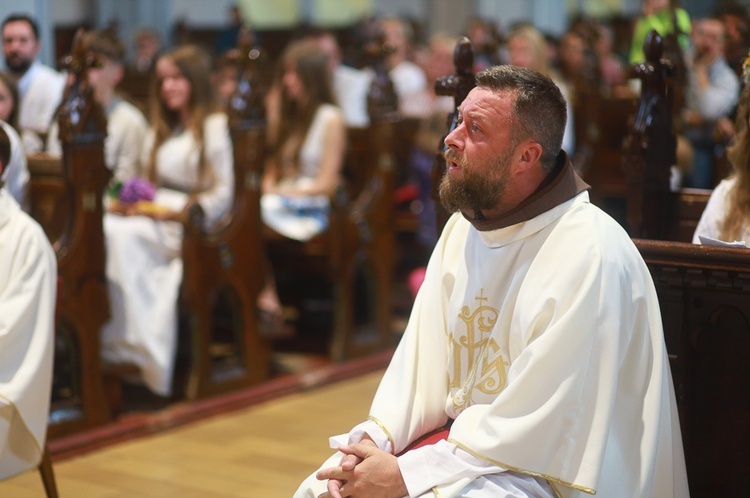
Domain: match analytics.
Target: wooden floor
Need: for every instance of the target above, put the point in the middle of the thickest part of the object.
(262, 451)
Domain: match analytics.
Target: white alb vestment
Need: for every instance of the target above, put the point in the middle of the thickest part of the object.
(543, 341)
(126, 133)
(28, 285)
(713, 215)
(144, 263)
(303, 217)
(40, 91)
(16, 172)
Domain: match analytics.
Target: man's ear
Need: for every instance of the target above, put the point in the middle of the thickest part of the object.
(531, 154)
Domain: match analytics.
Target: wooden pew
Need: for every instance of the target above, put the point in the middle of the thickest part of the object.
(650, 148)
(604, 168)
(691, 202)
(704, 294)
(48, 199)
(224, 271)
(67, 199)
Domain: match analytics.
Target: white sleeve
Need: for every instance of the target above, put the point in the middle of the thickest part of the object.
(376, 433)
(218, 149)
(710, 221)
(126, 133)
(440, 463)
(425, 467)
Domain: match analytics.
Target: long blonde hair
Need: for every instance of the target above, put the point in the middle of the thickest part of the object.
(195, 65)
(737, 214)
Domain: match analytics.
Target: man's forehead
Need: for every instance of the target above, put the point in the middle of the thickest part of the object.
(17, 28)
(484, 101)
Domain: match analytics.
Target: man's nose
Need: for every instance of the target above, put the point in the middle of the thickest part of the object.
(453, 139)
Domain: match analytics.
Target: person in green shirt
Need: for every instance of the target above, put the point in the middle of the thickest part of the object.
(661, 15)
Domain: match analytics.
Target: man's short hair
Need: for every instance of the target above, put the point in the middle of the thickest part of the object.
(23, 18)
(539, 108)
(105, 43)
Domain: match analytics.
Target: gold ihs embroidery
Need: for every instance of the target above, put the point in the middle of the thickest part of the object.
(476, 355)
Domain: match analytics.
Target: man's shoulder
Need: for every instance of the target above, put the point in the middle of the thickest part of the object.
(594, 233)
(43, 72)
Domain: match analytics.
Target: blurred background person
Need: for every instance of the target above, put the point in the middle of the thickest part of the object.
(187, 158)
(408, 78)
(611, 67)
(727, 214)
(736, 23)
(666, 17)
(126, 125)
(16, 172)
(350, 85)
(712, 93)
(307, 137)
(147, 46)
(436, 61)
(528, 48)
(486, 41)
(40, 87)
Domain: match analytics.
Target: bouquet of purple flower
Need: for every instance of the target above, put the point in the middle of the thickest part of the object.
(136, 189)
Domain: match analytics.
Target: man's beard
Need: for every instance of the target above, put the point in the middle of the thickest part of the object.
(472, 191)
(18, 64)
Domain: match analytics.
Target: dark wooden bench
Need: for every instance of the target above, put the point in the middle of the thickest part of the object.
(67, 199)
(225, 270)
(691, 202)
(603, 169)
(704, 294)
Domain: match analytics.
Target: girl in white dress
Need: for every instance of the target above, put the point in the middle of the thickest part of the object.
(727, 214)
(188, 157)
(307, 137)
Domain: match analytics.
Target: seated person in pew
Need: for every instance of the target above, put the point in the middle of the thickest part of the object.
(408, 78)
(350, 85)
(307, 137)
(727, 214)
(711, 94)
(536, 340)
(187, 158)
(40, 87)
(436, 61)
(16, 172)
(528, 48)
(28, 285)
(126, 125)
(661, 16)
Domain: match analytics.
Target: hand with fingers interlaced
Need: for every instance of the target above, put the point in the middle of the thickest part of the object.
(365, 470)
